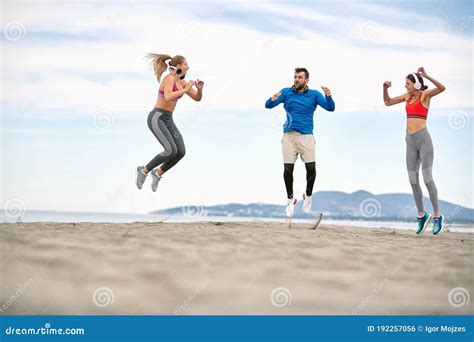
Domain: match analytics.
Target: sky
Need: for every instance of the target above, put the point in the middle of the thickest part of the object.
(76, 92)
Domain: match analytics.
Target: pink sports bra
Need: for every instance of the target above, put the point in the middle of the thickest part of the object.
(161, 93)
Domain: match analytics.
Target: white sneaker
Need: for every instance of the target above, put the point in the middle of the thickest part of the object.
(141, 177)
(156, 179)
(290, 207)
(308, 200)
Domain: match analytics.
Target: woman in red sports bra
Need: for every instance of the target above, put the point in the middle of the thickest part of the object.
(420, 150)
(160, 119)
(417, 99)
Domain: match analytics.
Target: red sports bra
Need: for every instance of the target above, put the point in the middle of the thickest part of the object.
(161, 93)
(416, 109)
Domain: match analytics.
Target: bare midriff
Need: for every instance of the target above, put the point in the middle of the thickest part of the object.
(414, 125)
(166, 105)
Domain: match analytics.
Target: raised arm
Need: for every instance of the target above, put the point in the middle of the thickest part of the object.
(391, 101)
(275, 100)
(435, 91)
(326, 100)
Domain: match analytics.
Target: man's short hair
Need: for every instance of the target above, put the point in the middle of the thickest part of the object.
(306, 73)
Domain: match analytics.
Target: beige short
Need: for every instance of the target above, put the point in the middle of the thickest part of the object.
(294, 143)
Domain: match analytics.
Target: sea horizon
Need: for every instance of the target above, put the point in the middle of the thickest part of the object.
(35, 216)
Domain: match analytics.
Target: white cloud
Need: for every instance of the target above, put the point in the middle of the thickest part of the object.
(241, 67)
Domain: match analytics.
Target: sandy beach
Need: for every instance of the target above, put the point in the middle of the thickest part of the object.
(232, 268)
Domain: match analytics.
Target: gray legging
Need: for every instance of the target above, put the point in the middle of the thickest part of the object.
(161, 123)
(420, 152)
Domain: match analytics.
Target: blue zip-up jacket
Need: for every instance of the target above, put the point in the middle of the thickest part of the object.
(300, 108)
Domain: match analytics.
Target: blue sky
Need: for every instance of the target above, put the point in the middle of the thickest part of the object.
(76, 93)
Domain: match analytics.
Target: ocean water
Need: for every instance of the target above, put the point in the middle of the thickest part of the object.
(69, 217)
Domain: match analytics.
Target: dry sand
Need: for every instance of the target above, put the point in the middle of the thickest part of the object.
(231, 268)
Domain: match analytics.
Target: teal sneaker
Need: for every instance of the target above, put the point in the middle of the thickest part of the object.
(423, 222)
(438, 224)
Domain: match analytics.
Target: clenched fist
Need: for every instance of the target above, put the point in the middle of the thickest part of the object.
(275, 96)
(326, 90)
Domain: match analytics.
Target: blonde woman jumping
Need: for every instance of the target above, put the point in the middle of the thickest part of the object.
(160, 120)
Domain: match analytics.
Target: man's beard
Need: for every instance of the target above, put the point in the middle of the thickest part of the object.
(299, 87)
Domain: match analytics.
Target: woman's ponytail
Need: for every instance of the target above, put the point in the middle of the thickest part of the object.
(159, 63)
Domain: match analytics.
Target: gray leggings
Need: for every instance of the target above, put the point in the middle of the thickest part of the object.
(161, 123)
(420, 152)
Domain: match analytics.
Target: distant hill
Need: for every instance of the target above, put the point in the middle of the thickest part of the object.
(360, 205)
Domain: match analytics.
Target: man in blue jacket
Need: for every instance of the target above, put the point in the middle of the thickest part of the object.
(300, 102)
